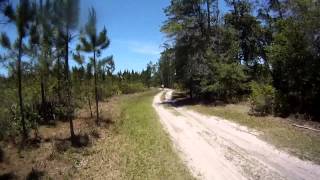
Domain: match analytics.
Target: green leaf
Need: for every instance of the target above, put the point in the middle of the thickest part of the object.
(5, 41)
(78, 58)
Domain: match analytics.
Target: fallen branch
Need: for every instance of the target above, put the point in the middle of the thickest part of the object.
(305, 127)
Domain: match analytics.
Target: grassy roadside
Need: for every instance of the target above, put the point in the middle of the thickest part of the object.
(277, 131)
(136, 147)
(129, 144)
(150, 154)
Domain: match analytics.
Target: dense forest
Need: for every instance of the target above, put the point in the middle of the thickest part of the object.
(265, 51)
(40, 86)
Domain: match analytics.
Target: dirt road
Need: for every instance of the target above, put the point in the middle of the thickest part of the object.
(214, 148)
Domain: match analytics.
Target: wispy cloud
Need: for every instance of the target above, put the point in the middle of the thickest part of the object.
(145, 48)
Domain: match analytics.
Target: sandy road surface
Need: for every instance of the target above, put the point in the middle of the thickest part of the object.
(214, 148)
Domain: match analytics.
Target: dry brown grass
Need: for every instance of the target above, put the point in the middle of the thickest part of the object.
(52, 154)
(129, 144)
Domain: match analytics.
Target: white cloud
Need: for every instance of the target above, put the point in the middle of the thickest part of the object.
(145, 48)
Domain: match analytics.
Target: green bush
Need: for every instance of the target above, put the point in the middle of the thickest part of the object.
(229, 83)
(31, 119)
(128, 88)
(8, 127)
(109, 90)
(262, 98)
(10, 121)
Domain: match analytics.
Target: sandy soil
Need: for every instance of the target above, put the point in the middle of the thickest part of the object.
(214, 148)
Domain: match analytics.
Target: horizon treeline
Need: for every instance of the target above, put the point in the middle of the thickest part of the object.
(267, 51)
(40, 86)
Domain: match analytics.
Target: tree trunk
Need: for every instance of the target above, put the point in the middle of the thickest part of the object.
(190, 93)
(89, 101)
(43, 111)
(200, 20)
(208, 19)
(24, 129)
(43, 96)
(59, 78)
(95, 86)
(68, 88)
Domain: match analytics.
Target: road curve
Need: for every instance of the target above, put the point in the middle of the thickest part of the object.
(214, 148)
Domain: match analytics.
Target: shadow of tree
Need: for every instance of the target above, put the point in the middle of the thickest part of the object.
(35, 175)
(8, 176)
(180, 99)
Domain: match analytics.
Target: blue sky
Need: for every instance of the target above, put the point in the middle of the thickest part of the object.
(133, 27)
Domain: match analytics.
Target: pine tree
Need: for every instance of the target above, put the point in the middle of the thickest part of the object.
(67, 13)
(92, 42)
(22, 16)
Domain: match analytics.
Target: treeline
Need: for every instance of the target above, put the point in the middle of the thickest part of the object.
(40, 86)
(266, 50)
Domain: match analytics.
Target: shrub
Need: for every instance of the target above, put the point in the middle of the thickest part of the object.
(7, 126)
(108, 90)
(262, 98)
(31, 119)
(61, 111)
(10, 121)
(228, 84)
(128, 88)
